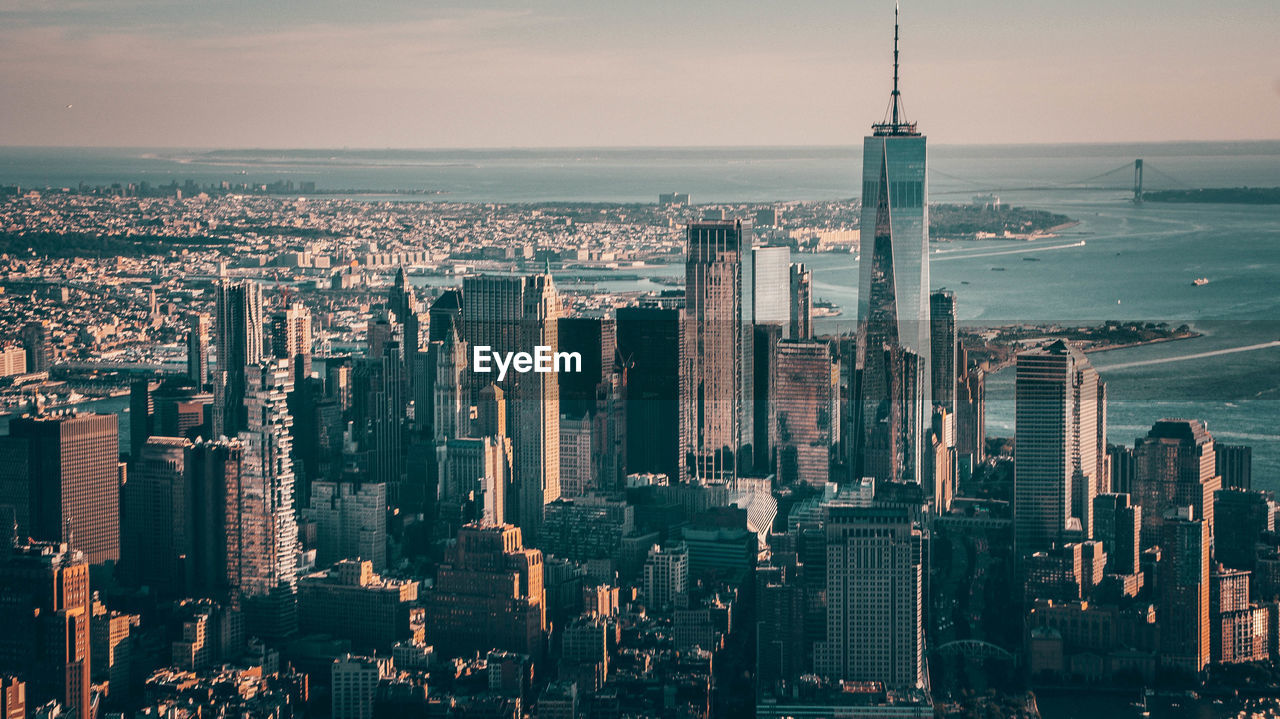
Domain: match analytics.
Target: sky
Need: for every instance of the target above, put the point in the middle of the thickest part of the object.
(592, 73)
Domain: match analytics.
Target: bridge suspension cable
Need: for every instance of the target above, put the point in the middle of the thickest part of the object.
(1120, 172)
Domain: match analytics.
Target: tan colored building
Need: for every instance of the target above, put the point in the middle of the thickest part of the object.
(350, 601)
(1174, 466)
(488, 594)
(710, 371)
(44, 610)
(68, 484)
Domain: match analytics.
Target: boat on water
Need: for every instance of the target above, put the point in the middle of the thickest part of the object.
(1141, 705)
(1200, 281)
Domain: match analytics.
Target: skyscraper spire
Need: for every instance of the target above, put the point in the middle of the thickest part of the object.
(895, 122)
(897, 96)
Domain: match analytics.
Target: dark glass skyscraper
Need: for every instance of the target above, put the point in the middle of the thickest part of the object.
(649, 353)
(240, 344)
(893, 301)
(942, 350)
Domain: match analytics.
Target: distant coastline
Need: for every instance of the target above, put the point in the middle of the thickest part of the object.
(997, 347)
(1218, 195)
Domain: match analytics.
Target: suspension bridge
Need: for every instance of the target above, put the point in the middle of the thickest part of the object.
(1109, 180)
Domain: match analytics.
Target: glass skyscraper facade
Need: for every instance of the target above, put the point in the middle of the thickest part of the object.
(893, 301)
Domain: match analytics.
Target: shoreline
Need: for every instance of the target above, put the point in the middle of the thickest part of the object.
(992, 369)
(1143, 343)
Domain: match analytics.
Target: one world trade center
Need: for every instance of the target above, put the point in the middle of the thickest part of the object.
(892, 378)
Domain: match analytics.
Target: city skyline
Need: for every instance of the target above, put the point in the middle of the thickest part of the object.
(262, 454)
(158, 73)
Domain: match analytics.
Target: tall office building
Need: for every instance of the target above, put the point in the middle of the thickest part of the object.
(666, 575)
(764, 347)
(1234, 465)
(576, 477)
(488, 593)
(491, 412)
(893, 303)
(179, 408)
(13, 697)
(1183, 587)
(1120, 461)
(801, 301)
(351, 601)
(354, 685)
(157, 517)
(1241, 632)
(781, 646)
(1174, 467)
(37, 341)
(445, 314)
(771, 316)
(66, 487)
(771, 286)
(213, 472)
(875, 600)
(111, 647)
(262, 533)
(649, 352)
(198, 349)
(445, 322)
(291, 339)
(518, 314)
(711, 344)
(971, 408)
(142, 412)
(383, 329)
(13, 361)
(596, 340)
(351, 522)
(474, 473)
(1117, 523)
(941, 460)
(378, 406)
(1240, 517)
(804, 411)
(45, 613)
(451, 393)
(942, 348)
(592, 403)
(404, 303)
(1057, 451)
(238, 323)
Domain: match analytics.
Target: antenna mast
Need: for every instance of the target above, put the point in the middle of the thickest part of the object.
(896, 94)
(895, 121)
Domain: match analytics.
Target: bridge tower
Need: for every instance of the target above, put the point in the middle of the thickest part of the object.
(1137, 181)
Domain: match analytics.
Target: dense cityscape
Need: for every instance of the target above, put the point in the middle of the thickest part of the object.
(258, 464)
